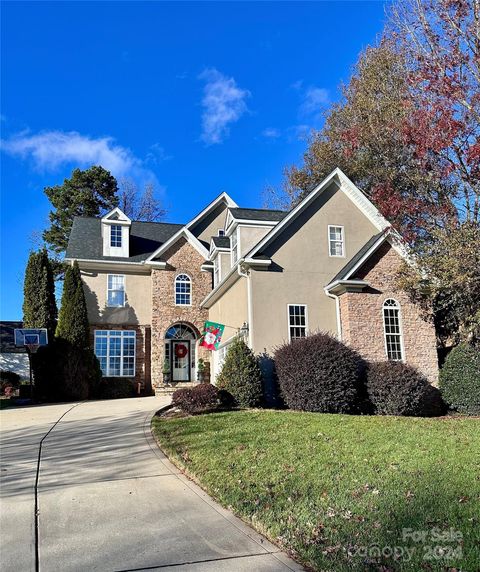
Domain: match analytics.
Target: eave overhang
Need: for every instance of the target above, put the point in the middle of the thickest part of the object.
(339, 287)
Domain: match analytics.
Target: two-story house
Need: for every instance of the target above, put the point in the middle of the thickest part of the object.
(329, 264)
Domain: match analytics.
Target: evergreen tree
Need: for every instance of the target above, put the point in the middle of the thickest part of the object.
(73, 324)
(87, 193)
(39, 306)
(241, 375)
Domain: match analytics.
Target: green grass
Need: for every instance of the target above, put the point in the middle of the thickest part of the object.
(323, 486)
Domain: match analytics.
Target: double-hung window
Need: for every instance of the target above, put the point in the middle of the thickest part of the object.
(116, 235)
(392, 329)
(183, 290)
(116, 290)
(115, 350)
(336, 241)
(234, 246)
(297, 321)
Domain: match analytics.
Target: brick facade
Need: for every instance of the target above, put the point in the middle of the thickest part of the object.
(142, 351)
(361, 316)
(181, 258)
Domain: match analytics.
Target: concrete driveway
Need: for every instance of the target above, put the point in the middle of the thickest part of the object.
(107, 499)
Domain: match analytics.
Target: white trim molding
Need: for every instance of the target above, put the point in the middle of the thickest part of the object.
(222, 198)
(182, 233)
(346, 186)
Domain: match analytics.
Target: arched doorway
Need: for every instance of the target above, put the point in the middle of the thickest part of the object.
(180, 352)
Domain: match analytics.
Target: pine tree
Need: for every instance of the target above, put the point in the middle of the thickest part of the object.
(241, 375)
(73, 324)
(39, 305)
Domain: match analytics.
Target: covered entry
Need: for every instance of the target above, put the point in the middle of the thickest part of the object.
(180, 352)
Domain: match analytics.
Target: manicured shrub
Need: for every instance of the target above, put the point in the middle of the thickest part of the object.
(319, 373)
(116, 388)
(241, 375)
(395, 388)
(460, 379)
(64, 372)
(9, 380)
(200, 398)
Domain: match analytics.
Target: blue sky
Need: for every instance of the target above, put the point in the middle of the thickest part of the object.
(198, 97)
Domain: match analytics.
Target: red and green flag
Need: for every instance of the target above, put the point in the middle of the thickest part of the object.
(212, 335)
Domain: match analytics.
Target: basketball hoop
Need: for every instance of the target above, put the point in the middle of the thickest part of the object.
(31, 339)
(32, 348)
(31, 342)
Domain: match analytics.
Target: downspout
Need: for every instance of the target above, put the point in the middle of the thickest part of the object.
(337, 311)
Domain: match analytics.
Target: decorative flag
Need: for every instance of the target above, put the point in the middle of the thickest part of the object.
(212, 335)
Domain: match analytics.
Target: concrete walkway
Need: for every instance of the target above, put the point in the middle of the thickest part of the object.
(108, 499)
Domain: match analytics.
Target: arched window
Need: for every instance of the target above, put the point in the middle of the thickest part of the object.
(393, 330)
(183, 290)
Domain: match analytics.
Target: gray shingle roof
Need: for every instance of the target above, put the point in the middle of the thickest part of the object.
(145, 238)
(258, 214)
(354, 261)
(221, 241)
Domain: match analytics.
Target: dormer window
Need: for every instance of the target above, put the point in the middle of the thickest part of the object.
(116, 236)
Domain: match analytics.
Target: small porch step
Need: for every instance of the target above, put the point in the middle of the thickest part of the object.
(169, 389)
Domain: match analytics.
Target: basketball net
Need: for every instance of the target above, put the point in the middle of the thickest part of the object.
(32, 348)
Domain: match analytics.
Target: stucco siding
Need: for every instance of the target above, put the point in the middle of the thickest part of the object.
(301, 267)
(138, 298)
(225, 263)
(210, 225)
(231, 309)
(250, 236)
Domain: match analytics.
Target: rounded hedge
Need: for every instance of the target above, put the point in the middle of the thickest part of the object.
(460, 379)
(395, 388)
(8, 379)
(200, 398)
(116, 388)
(319, 373)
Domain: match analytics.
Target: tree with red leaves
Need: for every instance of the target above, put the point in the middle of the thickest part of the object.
(441, 42)
(407, 132)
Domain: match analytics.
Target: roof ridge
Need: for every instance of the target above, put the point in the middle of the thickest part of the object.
(258, 209)
(133, 220)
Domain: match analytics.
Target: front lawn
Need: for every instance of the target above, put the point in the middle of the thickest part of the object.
(337, 490)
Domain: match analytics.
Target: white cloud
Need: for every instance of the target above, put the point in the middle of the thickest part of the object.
(157, 154)
(271, 133)
(49, 150)
(314, 100)
(223, 102)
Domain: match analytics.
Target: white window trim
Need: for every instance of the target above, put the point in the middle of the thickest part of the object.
(217, 271)
(237, 233)
(400, 327)
(288, 319)
(175, 289)
(343, 255)
(124, 292)
(121, 236)
(121, 352)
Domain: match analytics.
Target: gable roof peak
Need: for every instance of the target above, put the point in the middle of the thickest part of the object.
(223, 197)
(359, 199)
(116, 215)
